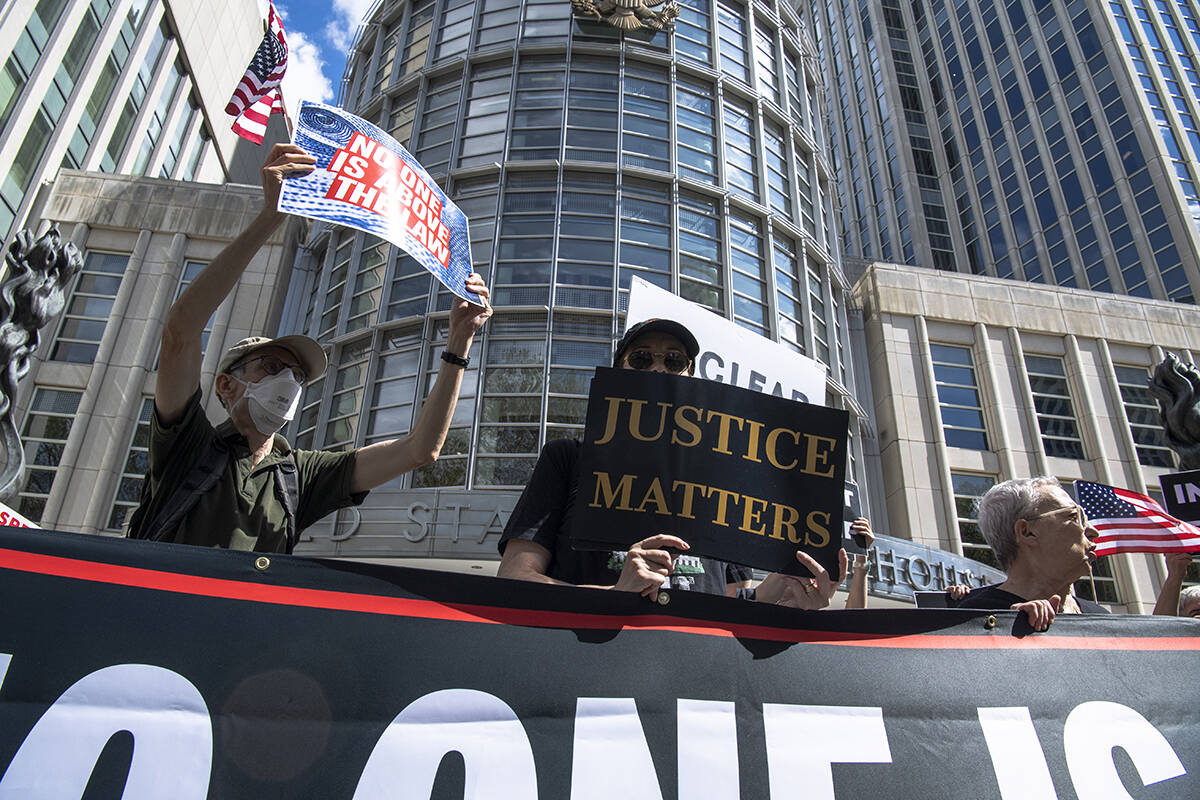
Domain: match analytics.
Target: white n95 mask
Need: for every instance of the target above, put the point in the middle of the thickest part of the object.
(272, 401)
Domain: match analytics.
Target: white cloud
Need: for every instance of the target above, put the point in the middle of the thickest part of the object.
(305, 78)
(348, 16)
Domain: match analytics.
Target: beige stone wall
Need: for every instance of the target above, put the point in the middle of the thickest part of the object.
(905, 308)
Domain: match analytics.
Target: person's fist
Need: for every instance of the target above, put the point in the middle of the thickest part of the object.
(648, 564)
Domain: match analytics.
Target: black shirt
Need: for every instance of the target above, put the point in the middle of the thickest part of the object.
(994, 598)
(543, 515)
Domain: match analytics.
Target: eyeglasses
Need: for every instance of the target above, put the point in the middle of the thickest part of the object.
(672, 360)
(272, 365)
(1078, 515)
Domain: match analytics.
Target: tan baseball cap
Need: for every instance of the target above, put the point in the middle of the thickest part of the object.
(306, 350)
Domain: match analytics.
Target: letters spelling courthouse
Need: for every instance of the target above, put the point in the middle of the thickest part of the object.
(696, 159)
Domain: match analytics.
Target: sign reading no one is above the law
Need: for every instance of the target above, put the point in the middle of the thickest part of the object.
(728, 352)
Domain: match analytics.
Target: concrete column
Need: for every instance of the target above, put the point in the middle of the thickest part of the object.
(948, 537)
(1039, 453)
(1085, 415)
(125, 421)
(997, 424)
(96, 382)
(1124, 435)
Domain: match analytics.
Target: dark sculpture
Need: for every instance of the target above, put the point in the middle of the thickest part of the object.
(33, 293)
(1176, 386)
(629, 15)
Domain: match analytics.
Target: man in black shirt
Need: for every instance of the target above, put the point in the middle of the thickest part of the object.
(1044, 542)
(535, 546)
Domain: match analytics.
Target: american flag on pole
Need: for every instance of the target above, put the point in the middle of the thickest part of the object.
(257, 94)
(1133, 523)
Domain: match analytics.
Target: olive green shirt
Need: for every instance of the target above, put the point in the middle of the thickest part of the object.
(242, 511)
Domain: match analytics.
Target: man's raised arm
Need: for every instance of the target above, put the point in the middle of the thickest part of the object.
(180, 357)
(378, 463)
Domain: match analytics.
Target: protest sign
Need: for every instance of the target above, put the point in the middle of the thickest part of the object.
(739, 475)
(13, 519)
(139, 669)
(366, 180)
(1181, 494)
(728, 352)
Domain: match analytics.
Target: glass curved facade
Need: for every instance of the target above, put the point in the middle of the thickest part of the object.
(583, 157)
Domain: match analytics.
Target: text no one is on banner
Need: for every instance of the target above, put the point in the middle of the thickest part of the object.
(144, 669)
(739, 475)
(365, 179)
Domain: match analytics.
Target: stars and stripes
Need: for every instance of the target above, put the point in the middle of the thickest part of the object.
(1133, 523)
(257, 94)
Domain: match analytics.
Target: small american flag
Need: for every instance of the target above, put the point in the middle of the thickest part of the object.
(1133, 523)
(257, 94)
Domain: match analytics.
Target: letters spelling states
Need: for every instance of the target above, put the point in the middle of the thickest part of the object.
(741, 476)
(368, 175)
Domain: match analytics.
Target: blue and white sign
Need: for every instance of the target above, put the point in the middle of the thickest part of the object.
(366, 180)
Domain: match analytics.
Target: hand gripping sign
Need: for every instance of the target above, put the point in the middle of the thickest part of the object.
(366, 180)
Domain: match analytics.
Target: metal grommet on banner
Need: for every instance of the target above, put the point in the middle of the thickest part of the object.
(663, 598)
(990, 622)
(261, 563)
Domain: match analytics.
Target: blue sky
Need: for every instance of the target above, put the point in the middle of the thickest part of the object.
(319, 34)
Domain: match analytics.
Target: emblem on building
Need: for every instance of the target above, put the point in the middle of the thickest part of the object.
(629, 15)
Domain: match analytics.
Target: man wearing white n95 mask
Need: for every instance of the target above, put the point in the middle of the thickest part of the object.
(240, 485)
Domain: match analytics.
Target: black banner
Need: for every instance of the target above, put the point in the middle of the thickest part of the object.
(739, 475)
(175, 672)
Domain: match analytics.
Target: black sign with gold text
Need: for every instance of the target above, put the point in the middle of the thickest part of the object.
(740, 476)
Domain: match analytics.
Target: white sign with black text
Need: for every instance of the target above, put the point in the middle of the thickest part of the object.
(728, 352)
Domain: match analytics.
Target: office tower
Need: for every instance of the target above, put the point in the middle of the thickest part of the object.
(583, 156)
(121, 86)
(1046, 142)
(135, 89)
(1052, 142)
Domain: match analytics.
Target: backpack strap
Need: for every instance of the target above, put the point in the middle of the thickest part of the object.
(183, 498)
(287, 490)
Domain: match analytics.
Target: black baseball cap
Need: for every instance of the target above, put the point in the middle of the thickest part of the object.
(668, 326)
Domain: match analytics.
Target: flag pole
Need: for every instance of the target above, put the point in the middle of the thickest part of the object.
(287, 118)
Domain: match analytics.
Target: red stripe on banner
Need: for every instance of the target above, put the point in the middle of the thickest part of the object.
(178, 583)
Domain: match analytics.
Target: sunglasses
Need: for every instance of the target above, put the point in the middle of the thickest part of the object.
(644, 359)
(1077, 515)
(271, 365)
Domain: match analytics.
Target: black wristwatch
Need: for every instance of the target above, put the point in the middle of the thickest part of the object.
(457, 361)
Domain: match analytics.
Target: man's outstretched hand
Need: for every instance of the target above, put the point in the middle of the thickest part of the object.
(284, 161)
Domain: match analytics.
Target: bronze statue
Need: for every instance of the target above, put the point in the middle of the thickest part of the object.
(629, 15)
(1176, 386)
(33, 293)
